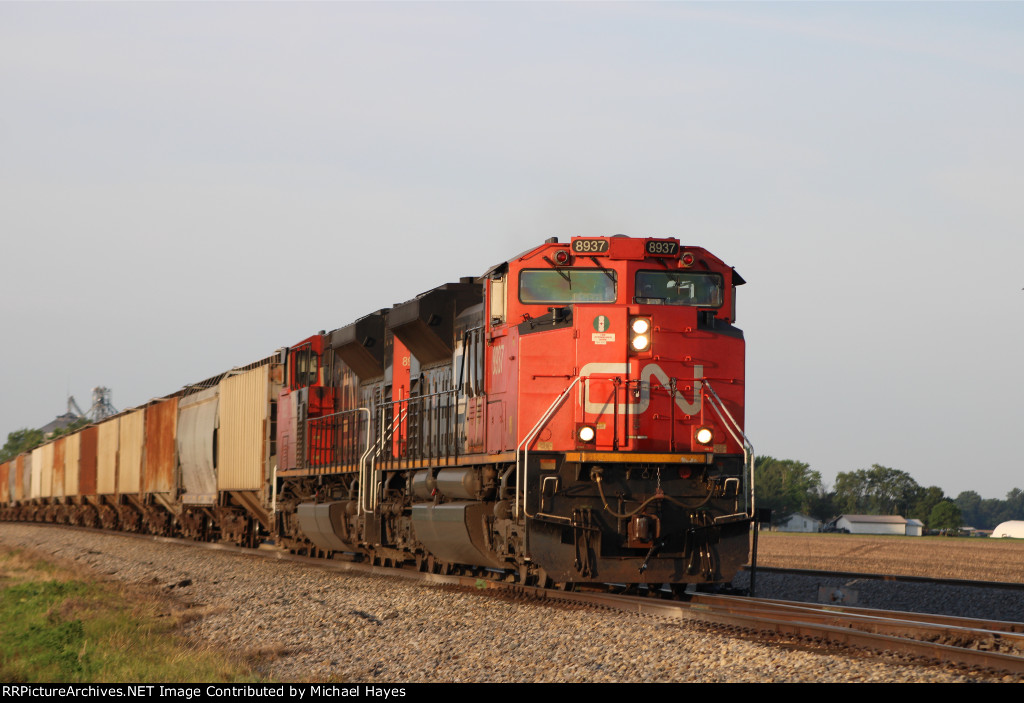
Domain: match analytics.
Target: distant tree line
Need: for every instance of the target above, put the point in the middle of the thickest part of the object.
(788, 486)
(25, 440)
(989, 512)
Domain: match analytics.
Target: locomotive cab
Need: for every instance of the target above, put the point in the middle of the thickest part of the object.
(305, 394)
(621, 375)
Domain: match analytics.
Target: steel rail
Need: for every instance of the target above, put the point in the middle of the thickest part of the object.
(918, 626)
(1014, 629)
(766, 617)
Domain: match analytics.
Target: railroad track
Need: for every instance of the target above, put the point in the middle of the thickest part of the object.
(973, 643)
(994, 646)
(985, 644)
(968, 642)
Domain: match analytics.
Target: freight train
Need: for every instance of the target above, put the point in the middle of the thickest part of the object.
(574, 415)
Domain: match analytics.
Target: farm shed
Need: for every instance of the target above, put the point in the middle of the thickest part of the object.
(798, 522)
(915, 528)
(873, 524)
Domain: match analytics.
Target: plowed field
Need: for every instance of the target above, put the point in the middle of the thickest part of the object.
(977, 558)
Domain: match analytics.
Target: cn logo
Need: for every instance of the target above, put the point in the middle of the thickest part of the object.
(646, 374)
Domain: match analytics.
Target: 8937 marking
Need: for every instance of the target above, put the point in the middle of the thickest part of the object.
(589, 246)
(661, 247)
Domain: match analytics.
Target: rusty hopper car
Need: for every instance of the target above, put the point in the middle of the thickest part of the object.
(574, 415)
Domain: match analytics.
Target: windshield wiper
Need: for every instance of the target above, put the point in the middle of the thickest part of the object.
(607, 273)
(561, 273)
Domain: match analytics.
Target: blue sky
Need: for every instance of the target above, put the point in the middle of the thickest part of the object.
(188, 186)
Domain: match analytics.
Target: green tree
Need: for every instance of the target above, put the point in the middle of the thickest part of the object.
(1015, 504)
(945, 516)
(879, 490)
(969, 503)
(823, 504)
(994, 511)
(927, 499)
(986, 513)
(20, 441)
(785, 485)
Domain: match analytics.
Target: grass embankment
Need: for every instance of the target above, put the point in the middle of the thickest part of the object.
(56, 626)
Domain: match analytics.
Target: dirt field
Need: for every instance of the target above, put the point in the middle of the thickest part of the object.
(942, 557)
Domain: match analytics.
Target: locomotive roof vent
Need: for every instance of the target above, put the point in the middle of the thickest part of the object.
(356, 345)
(425, 324)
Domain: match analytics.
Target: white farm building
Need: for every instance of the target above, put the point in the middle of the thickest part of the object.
(797, 522)
(873, 524)
(1010, 528)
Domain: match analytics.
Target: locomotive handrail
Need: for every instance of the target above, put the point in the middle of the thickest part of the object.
(403, 409)
(335, 459)
(366, 452)
(524, 446)
(368, 488)
(730, 425)
(422, 408)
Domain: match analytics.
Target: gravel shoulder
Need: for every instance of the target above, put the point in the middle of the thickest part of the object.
(301, 623)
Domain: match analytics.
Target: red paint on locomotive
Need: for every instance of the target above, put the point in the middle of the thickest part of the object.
(649, 400)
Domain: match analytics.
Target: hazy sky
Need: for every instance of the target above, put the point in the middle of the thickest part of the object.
(185, 187)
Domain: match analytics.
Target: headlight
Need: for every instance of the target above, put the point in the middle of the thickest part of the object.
(586, 433)
(704, 435)
(639, 334)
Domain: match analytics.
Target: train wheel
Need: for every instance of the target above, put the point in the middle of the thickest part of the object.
(679, 591)
(543, 581)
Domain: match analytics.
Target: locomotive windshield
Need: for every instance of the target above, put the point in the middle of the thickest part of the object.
(567, 286)
(679, 288)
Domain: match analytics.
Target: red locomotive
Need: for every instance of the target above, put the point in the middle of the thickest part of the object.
(574, 415)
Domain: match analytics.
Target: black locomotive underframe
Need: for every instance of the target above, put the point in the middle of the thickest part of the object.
(620, 522)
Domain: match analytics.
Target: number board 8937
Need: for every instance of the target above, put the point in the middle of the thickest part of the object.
(590, 246)
(661, 247)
